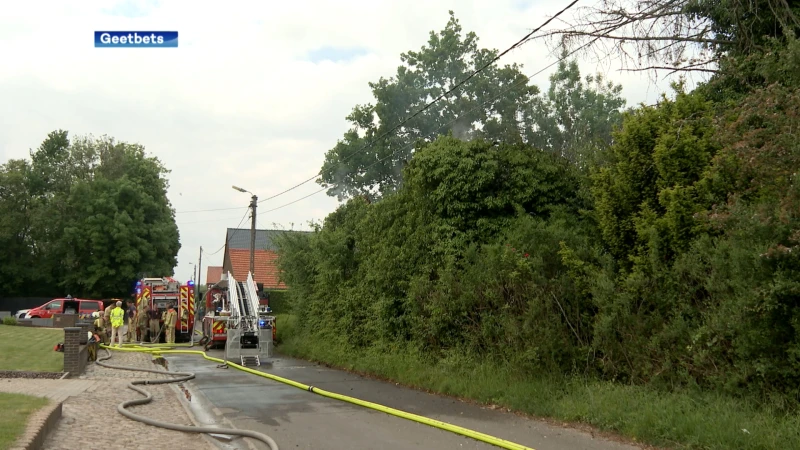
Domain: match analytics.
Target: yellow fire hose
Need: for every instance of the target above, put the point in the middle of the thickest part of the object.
(158, 350)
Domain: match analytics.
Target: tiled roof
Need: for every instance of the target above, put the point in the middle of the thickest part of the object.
(239, 238)
(213, 274)
(266, 269)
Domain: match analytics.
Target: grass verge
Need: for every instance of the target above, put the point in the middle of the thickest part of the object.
(30, 348)
(679, 420)
(16, 410)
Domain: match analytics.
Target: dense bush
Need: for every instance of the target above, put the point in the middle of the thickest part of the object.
(674, 262)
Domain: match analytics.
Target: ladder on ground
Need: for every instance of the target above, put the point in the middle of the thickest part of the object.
(250, 360)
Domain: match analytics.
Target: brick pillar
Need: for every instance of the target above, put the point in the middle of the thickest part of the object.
(84, 326)
(72, 351)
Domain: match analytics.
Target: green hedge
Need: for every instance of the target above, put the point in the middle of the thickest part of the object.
(279, 301)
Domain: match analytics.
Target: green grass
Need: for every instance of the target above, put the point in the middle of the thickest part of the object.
(16, 410)
(30, 348)
(679, 420)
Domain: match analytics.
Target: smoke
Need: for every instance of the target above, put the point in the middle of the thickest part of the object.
(462, 130)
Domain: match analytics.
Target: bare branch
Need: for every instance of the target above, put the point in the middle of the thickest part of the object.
(673, 69)
(692, 30)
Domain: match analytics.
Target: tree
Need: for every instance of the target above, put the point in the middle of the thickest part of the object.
(659, 153)
(16, 241)
(491, 100)
(685, 35)
(574, 119)
(84, 217)
(121, 222)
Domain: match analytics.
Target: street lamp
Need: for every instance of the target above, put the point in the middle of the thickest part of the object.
(253, 203)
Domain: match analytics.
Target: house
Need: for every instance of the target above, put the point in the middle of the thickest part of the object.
(213, 275)
(237, 257)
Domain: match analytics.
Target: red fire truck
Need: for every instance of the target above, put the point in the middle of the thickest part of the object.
(161, 293)
(218, 312)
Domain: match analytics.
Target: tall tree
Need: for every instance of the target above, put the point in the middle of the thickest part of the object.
(84, 217)
(121, 221)
(574, 119)
(491, 101)
(16, 243)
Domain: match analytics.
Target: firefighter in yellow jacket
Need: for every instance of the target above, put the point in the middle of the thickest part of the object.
(170, 319)
(117, 321)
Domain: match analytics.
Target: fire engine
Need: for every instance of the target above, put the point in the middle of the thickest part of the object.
(217, 314)
(235, 321)
(161, 293)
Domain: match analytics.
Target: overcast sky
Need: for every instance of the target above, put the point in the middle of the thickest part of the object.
(254, 95)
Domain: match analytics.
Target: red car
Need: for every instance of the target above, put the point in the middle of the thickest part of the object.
(66, 306)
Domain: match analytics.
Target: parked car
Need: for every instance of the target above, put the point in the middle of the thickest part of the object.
(66, 306)
(21, 314)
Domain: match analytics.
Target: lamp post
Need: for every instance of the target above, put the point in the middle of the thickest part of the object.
(253, 203)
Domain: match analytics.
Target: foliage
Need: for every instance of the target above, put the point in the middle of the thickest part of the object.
(659, 154)
(671, 261)
(680, 35)
(87, 217)
(574, 119)
(10, 320)
(278, 301)
(496, 104)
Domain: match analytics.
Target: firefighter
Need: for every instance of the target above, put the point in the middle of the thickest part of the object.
(170, 318)
(117, 321)
(107, 322)
(99, 326)
(141, 323)
(130, 334)
(154, 324)
(92, 347)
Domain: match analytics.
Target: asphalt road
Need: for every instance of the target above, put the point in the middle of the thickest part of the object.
(298, 419)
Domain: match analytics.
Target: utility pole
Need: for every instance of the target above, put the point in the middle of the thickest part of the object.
(253, 204)
(200, 270)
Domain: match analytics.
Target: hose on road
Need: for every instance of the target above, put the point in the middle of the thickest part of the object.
(177, 378)
(502, 443)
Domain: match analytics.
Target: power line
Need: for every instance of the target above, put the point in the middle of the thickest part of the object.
(432, 102)
(295, 201)
(209, 220)
(228, 239)
(207, 210)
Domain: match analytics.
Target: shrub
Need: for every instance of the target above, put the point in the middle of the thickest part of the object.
(10, 320)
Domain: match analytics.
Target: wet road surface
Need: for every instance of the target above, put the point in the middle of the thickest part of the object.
(298, 419)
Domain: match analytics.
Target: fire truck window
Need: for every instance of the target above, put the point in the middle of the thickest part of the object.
(89, 306)
(54, 305)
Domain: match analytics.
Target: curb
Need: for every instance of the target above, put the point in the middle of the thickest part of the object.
(40, 424)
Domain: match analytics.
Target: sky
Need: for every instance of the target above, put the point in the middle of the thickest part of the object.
(255, 94)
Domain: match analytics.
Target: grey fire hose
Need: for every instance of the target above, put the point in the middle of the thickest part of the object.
(179, 376)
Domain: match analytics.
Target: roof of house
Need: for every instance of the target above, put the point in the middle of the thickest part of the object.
(266, 269)
(213, 274)
(239, 238)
